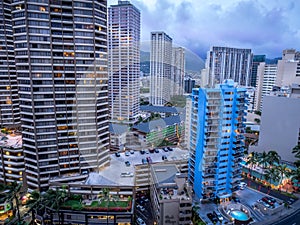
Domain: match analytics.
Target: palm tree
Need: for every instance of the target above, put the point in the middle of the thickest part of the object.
(36, 203)
(54, 199)
(272, 174)
(295, 175)
(263, 159)
(104, 196)
(252, 160)
(296, 151)
(273, 158)
(13, 196)
(283, 171)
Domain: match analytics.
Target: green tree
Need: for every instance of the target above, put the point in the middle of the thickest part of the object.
(295, 175)
(273, 158)
(283, 171)
(13, 195)
(252, 160)
(272, 176)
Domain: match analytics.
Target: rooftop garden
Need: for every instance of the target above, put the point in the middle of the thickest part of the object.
(100, 205)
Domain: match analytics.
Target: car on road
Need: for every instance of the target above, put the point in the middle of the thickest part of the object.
(218, 215)
(140, 221)
(212, 217)
(127, 163)
(117, 154)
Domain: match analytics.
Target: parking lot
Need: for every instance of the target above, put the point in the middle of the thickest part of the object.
(112, 175)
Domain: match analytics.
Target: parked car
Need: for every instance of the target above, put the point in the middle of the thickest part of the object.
(131, 151)
(140, 207)
(164, 157)
(144, 161)
(127, 163)
(127, 153)
(218, 215)
(212, 217)
(149, 160)
(117, 154)
(147, 151)
(156, 150)
(235, 199)
(142, 151)
(242, 185)
(165, 149)
(151, 150)
(170, 149)
(140, 221)
(126, 174)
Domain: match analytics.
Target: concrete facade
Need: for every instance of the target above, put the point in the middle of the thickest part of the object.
(280, 126)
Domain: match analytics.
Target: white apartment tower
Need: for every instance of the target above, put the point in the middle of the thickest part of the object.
(178, 70)
(160, 68)
(266, 77)
(124, 62)
(61, 65)
(9, 101)
(229, 63)
(288, 72)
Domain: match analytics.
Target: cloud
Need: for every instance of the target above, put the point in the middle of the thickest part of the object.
(264, 26)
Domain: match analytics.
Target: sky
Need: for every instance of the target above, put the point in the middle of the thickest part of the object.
(265, 26)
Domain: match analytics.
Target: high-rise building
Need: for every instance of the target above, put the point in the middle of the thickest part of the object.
(280, 125)
(124, 62)
(160, 68)
(288, 72)
(61, 65)
(229, 63)
(9, 101)
(266, 77)
(217, 141)
(178, 71)
(257, 59)
(189, 84)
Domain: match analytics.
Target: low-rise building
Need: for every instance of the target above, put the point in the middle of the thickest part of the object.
(170, 195)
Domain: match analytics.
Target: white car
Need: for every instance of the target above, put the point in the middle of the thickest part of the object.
(242, 185)
(140, 221)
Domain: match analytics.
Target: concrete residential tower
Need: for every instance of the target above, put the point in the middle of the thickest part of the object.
(61, 64)
(160, 68)
(124, 61)
(229, 63)
(217, 141)
(9, 101)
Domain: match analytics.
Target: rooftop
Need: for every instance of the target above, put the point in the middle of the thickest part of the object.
(160, 109)
(13, 139)
(111, 175)
(159, 123)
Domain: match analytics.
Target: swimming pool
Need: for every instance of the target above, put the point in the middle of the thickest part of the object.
(239, 215)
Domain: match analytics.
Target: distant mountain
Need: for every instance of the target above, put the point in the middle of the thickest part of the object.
(192, 62)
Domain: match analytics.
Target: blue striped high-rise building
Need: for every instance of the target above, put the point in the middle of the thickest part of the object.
(217, 140)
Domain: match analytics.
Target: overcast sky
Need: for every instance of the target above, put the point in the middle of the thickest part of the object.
(265, 26)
